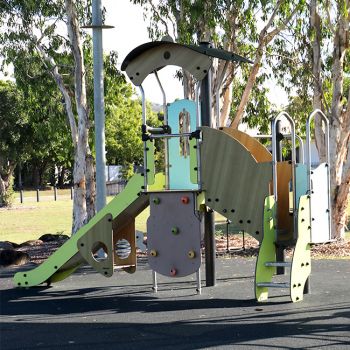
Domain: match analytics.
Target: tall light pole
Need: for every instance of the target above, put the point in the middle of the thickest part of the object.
(99, 107)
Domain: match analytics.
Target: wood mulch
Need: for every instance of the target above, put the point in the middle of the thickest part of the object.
(339, 249)
(39, 251)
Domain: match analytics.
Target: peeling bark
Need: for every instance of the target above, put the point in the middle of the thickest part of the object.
(340, 126)
(315, 24)
(83, 208)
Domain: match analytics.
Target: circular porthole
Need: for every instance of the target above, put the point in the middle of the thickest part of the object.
(99, 251)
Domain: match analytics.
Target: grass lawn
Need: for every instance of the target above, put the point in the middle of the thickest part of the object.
(31, 219)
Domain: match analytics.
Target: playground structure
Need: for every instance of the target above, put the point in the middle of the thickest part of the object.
(283, 204)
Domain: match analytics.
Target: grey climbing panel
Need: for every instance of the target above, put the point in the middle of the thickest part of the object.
(174, 234)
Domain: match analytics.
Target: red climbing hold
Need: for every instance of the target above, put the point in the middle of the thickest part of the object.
(185, 200)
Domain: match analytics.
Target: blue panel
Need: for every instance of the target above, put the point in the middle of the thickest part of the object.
(181, 119)
(300, 181)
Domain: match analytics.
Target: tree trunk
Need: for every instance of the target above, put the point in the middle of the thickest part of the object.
(248, 89)
(315, 24)
(61, 176)
(36, 176)
(82, 149)
(226, 106)
(265, 37)
(6, 182)
(340, 127)
(90, 186)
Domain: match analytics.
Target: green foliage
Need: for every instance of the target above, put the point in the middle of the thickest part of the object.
(232, 25)
(259, 109)
(13, 136)
(14, 122)
(50, 139)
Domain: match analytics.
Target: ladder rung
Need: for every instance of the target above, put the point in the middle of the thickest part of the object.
(278, 263)
(273, 285)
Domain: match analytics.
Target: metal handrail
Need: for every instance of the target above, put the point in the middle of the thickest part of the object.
(300, 140)
(166, 143)
(144, 120)
(308, 162)
(198, 120)
(274, 156)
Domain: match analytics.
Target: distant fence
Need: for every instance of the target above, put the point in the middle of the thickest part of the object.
(38, 195)
(114, 187)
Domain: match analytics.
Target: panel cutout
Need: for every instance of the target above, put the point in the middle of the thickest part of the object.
(182, 116)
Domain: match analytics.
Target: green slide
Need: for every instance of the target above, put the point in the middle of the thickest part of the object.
(68, 258)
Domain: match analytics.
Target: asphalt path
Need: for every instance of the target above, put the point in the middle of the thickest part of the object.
(88, 311)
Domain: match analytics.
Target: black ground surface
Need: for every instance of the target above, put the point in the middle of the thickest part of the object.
(88, 311)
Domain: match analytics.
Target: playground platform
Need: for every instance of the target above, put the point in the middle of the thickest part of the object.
(88, 311)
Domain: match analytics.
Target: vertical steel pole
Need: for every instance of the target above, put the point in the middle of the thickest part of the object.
(99, 111)
(280, 255)
(209, 221)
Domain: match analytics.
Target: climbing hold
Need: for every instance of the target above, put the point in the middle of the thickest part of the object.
(175, 230)
(191, 254)
(185, 200)
(173, 272)
(153, 253)
(156, 200)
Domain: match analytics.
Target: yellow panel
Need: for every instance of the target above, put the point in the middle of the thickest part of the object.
(258, 151)
(100, 234)
(267, 251)
(301, 264)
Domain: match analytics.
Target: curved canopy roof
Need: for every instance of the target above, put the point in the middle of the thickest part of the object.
(147, 58)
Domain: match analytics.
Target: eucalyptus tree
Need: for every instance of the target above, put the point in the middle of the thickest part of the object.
(50, 144)
(37, 26)
(247, 28)
(314, 64)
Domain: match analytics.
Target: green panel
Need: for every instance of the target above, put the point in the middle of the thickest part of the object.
(69, 251)
(235, 184)
(193, 161)
(159, 183)
(100, 233)
(300, 181)
(301, 264)
(150, 162)
(267, 251)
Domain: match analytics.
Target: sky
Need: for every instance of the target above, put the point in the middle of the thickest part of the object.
(131, 31)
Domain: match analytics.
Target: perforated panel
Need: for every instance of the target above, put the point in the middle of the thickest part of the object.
(235, 184)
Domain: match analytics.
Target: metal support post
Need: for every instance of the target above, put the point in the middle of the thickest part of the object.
(154, 281)
(209, 222)
(198, 279)
(280, 255)
(210, 249)
(99, 111)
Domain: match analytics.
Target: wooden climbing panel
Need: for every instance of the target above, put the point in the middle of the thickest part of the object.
(258, 151)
